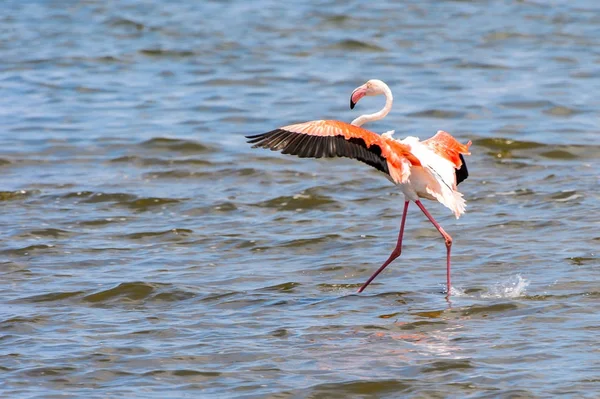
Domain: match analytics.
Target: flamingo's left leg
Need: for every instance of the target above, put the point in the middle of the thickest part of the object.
(395, 253)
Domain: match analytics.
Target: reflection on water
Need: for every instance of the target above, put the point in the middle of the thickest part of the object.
(148, 251)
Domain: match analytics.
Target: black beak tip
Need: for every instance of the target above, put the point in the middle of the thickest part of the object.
(352, 104)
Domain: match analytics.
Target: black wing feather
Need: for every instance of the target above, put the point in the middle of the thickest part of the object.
(462, 173)
(305, 145)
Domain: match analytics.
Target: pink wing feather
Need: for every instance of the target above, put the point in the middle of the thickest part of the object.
(448, 147)
(332, 138)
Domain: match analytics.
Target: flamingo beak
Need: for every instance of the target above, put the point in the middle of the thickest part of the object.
(357, 94)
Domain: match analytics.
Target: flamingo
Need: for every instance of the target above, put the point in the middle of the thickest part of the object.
(430, 169)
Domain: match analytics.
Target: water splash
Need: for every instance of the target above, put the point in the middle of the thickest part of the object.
(513, 287)
(455, 291)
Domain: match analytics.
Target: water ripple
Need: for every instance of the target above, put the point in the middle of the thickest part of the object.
(176, 145)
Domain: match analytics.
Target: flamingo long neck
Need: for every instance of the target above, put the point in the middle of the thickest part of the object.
(389, 100)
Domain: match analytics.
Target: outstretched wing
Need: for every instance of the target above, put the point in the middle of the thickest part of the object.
(331, 138)
(449, 148)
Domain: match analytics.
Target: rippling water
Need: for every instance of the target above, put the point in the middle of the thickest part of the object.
(147, 251)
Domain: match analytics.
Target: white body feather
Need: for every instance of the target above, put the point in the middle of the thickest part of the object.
(435, 179)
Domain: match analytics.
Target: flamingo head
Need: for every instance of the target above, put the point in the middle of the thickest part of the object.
(373, 87)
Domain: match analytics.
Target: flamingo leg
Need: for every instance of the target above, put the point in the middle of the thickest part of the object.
(447, 238)
(395, 253)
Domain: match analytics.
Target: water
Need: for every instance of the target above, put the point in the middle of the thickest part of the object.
(147, 251)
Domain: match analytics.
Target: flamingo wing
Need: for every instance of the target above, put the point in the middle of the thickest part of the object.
(331, 138)
(449, 148)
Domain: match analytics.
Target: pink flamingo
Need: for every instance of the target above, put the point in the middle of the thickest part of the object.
(430, 169)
